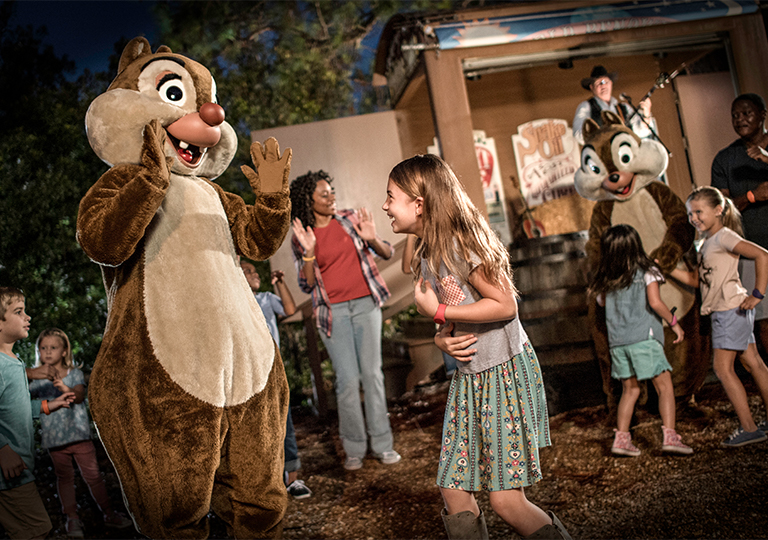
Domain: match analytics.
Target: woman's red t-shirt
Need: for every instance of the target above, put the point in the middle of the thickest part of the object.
(339, 264)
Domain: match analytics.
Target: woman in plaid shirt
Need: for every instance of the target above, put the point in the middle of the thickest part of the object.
(334, 256)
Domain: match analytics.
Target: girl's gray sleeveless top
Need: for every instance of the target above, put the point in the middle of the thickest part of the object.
(496, 342)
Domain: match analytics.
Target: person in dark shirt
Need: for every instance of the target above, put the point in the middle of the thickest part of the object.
(740, 171)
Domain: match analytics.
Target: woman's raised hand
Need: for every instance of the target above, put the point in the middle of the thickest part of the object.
(366, 227)
(305, 236)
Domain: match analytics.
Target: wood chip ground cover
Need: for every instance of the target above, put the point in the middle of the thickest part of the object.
(714, 493)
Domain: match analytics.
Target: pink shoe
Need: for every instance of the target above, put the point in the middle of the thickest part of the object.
(622, 444)
(672, 442)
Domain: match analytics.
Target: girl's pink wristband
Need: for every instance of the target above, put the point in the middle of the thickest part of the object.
(439, 317)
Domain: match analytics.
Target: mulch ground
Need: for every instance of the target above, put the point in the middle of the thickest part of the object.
(714, 493)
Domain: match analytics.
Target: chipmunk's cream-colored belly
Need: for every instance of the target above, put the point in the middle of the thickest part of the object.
(204, 324)
(642, 213)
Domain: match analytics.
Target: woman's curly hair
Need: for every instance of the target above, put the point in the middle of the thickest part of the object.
(302, 189)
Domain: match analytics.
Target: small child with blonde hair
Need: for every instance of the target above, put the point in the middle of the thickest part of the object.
(66, 433)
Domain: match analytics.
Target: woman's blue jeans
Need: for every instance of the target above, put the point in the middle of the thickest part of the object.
(355, 351)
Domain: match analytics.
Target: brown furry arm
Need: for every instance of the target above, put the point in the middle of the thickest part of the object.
(116, 211)
(258, 230)
(679, 236)
(600, 221)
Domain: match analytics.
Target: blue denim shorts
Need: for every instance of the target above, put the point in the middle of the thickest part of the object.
(644, 360)
(747, 275)
(732, 329)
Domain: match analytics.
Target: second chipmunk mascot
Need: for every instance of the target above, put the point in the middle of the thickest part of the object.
(188, 391)
(619, 171)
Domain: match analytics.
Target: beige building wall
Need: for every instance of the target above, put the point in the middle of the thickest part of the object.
(706, 114)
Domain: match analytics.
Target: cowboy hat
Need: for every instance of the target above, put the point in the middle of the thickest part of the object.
(598, 72)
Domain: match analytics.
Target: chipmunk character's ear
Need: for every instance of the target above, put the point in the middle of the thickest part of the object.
(136, 48)
(589, 128)
(611, 118)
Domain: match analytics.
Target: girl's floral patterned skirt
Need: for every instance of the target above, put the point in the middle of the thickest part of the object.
(495, 422)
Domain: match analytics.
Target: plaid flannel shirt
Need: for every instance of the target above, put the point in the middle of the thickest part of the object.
(321, 304)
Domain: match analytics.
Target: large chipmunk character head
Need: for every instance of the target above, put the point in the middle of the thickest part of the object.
(177, 92)
(616, 163)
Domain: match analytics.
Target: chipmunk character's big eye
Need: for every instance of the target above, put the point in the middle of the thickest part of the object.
(590, 163)
(625, 153)
(171, 89)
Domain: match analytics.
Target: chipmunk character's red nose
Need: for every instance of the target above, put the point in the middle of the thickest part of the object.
(212, 114)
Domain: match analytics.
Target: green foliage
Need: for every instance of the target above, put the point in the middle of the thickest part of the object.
(46, 166)
(280, 63)
(293, 348)
(393, 326)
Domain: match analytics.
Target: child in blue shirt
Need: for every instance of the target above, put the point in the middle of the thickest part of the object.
(273, 306)
(22, 512)
(627, 284)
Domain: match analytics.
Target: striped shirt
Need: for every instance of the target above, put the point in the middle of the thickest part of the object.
(321, 305)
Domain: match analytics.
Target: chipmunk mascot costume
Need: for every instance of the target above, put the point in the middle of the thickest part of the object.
(188, 391)
(619, 171)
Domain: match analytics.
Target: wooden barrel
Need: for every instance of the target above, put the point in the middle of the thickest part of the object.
(552, 276)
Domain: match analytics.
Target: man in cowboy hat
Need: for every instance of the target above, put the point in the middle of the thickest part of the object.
(600, 83)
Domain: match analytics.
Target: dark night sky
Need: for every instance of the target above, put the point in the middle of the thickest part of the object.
(86, 31)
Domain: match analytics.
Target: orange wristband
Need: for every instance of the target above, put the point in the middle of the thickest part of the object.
(751, 197)
(46, 410)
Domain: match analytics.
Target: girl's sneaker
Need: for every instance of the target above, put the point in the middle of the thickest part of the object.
(299, 490)
(117, 520)
(672, 442)
(74, 527)
(622, 444)
(742, 438)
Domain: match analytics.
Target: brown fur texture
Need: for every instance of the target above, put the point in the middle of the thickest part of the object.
(188, 391)
(662, 221)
